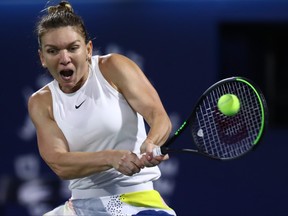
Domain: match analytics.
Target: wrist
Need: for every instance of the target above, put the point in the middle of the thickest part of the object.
(109, 158)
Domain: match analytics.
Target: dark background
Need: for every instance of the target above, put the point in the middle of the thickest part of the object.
(183, 47)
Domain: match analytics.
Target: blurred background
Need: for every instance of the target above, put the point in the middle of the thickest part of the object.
(183, 46)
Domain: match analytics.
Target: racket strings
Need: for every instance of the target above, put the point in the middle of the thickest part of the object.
(227, 136)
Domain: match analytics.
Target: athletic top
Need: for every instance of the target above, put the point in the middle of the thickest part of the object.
(95, 118)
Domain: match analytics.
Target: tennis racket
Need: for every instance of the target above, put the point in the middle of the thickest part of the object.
(220, 136)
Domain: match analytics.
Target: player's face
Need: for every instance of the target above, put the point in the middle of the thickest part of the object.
(65, 54)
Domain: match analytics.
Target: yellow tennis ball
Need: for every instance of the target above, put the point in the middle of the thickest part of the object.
(229, 104)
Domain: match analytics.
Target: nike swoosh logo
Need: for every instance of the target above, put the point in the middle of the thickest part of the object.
(77, 107)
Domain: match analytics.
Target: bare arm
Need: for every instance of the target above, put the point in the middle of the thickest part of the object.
(55, 152)
(129, 80)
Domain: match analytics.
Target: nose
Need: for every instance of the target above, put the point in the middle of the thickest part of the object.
(64, 57)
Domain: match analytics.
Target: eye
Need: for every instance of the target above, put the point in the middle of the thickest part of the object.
(74, 48)
(52, 51)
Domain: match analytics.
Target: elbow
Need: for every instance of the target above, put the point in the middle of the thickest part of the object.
(64, 177)
(61, 171)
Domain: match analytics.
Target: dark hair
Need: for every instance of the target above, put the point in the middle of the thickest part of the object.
(61, 15)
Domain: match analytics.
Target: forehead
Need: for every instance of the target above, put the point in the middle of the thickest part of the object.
(61, 36)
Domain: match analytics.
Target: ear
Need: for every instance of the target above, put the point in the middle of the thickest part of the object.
(42, 58)
(89, 50)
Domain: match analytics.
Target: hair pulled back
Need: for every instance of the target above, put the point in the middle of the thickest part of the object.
(61, 15)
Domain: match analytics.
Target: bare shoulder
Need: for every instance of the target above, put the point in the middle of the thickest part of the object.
(40, 104)
(39, 97)
(119, 70)
(113, 60)
(116, 63)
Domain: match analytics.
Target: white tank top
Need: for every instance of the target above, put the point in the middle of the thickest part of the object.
(95, 118)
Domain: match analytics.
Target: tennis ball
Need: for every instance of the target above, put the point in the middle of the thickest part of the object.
(229, 104)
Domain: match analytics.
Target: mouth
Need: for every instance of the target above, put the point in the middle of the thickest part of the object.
(66, 74)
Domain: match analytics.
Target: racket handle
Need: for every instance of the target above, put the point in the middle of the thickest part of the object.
(159, 151)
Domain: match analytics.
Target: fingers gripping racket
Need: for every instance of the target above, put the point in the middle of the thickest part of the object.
(221, 136)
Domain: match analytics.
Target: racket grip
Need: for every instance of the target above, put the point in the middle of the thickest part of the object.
(157, 151)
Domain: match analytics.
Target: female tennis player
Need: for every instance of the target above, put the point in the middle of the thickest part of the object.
(90, 123)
